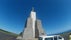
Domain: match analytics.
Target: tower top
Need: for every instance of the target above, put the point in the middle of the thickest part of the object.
(33, 14)
(33, 9)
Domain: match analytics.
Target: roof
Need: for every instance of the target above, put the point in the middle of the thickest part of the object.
(49, 36)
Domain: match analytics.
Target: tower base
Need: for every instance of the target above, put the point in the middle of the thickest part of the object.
(20, 38)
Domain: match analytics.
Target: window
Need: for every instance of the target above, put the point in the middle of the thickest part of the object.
(40, 38)
(48, 38)
(60, 38)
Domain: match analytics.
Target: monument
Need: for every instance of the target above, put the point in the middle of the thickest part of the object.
(33, 28)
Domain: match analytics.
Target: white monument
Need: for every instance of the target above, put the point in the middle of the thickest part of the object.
(33, 28)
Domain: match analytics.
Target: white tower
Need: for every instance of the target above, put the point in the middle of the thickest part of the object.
(33, 17)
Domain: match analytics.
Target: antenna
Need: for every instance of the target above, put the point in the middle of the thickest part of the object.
(33, 9)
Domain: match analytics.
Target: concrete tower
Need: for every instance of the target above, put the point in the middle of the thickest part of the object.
(33, 28)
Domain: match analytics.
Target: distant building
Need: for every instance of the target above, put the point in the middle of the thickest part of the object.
(33, 28)
(66, 35)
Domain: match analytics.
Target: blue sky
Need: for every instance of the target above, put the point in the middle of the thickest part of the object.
(54, 14)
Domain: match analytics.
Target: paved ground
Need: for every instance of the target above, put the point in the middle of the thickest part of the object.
(4, 36)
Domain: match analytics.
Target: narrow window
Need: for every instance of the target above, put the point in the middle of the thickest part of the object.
(48, 38)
